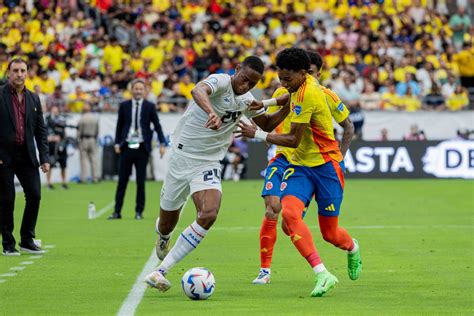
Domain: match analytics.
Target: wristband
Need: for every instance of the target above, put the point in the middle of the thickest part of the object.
(259, 134)
(269, 102)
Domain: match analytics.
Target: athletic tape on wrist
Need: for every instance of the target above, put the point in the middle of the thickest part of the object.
(259, 134)
(269, 102)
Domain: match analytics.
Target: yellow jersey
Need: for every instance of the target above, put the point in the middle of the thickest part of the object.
(285, 126)
(337, 108)
(318, 144)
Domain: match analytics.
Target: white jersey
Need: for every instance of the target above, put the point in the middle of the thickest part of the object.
(192, 139)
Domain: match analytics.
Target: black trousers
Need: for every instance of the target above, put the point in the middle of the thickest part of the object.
(29, 178)
(128, 158)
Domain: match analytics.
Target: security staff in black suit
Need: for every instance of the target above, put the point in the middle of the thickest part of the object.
(133, 142)
(21, 124)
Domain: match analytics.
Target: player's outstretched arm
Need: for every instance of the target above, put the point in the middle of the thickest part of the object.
(279, 101)
(200, 94)
(347, 135)
(268, 122)
(292, 139)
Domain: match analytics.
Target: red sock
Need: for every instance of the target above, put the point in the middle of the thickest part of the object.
(334, 234)
(268, 236)
(292, 210)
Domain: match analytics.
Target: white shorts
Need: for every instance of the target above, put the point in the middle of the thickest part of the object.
(186, 176)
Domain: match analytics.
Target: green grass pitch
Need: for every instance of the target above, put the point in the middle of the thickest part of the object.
(416, 239)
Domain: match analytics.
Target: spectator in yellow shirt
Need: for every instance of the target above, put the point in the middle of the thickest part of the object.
(155, 53)
(136, 63)
(465, 61)
(410, 102)
(458, 100)
(113, 55)
(77, 100)
(185, 86)
(390, 99)
(46, 83)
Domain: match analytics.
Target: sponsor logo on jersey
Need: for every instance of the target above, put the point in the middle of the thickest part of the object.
(340, 107)
(226, 99)
(283, 186)
(268, 186)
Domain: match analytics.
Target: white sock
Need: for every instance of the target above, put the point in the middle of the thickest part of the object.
(266, 270)
(355, 249)
(187, 241)
(319, 268)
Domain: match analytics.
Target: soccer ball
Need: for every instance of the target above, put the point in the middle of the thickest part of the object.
(198, 283)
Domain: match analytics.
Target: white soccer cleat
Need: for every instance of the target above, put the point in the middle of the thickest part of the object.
(162, 245)
(263, 277)
(157, 280)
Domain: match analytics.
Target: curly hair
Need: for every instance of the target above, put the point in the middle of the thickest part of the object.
(315, 59)
(254, 63)
(294, 59)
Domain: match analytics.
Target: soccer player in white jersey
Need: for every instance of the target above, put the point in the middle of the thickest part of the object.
(200, 141)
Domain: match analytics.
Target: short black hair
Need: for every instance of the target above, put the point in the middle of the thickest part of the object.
(17, 60)
(254, 63)
(136, 81)
(294, 59)
(315, 59)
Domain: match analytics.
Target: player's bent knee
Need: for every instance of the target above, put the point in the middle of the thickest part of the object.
(272, 213)
(289, 215)
(272, 207)
(207, 218)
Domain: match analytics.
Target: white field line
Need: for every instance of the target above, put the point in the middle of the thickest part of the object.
(17, 268)
(252, 228)
(136, 294)
(105, 209)
(23, 265)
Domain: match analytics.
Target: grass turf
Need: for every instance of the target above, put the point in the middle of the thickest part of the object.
(416, 239)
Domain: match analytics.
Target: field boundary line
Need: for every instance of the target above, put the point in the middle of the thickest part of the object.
(135, 296)
(103, 210)
(243, 228)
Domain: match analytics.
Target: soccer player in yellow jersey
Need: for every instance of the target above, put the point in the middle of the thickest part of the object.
(277, 166)
(316, 168)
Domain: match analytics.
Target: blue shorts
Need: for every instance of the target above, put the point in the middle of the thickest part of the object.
(273, 175)
(325, 182)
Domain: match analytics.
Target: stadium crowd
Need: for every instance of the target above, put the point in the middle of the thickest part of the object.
(379, 55)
